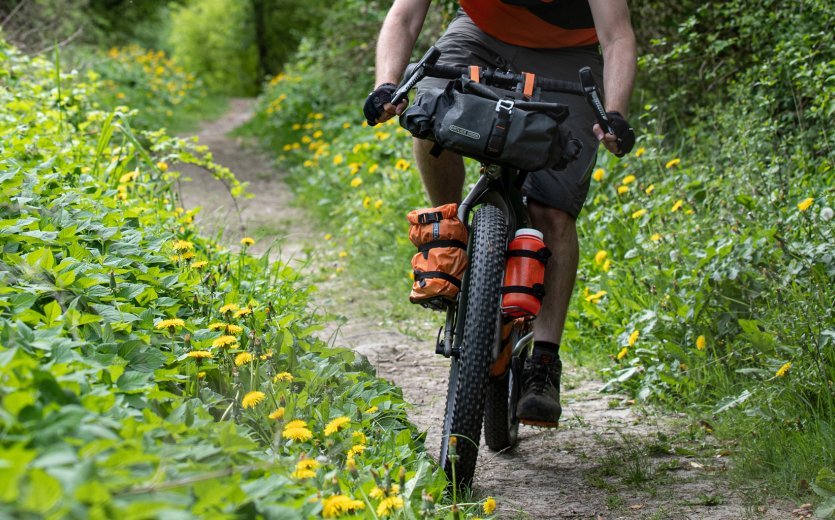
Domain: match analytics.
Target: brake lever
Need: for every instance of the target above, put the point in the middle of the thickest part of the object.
(418, 73)
(593, 98)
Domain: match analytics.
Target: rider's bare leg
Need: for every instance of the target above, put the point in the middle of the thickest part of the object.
(560, 233)
(443, 176)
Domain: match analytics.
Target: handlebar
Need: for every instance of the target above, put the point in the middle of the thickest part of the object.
(428, 67)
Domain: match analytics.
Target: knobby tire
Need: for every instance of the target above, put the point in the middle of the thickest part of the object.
(465, 413)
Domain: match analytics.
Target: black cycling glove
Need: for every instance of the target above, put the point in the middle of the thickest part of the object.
(373, 107)
(623, 131)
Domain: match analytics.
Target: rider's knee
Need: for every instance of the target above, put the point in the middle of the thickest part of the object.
(551, 220)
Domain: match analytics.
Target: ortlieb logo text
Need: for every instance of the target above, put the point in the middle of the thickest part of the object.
(464, 132)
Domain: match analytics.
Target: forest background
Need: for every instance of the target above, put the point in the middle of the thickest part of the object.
(706, 279)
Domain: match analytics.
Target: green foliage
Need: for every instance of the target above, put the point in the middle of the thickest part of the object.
(215, 40)
(145, 371)
(707, 277)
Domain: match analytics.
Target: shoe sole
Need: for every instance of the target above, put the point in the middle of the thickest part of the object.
(543, 424)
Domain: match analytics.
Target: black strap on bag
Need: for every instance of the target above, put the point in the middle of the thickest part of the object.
(501, 122)
(542, 254)
(420, 276)
(537, 291)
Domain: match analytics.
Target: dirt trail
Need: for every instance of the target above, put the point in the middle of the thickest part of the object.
(608, 460)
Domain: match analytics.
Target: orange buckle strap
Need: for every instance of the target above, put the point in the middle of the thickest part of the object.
(475, 73)
(530, 80)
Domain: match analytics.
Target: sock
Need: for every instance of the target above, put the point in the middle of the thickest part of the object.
(546, 351)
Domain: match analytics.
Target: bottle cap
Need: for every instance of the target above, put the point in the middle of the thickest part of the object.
(529, 232)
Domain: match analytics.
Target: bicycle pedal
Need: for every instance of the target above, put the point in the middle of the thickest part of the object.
(541, 424)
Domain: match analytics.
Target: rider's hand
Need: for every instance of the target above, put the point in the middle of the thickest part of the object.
(621, 142)
(378, 107)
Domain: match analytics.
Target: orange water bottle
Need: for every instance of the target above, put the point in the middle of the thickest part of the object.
(524, 275)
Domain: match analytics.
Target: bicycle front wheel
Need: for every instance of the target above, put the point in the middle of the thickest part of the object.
(470, 366)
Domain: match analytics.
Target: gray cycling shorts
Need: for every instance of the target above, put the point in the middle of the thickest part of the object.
(465, 44)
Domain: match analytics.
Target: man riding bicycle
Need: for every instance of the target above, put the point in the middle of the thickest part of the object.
(551, 38)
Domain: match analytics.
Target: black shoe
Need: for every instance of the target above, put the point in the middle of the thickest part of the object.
(539, 404)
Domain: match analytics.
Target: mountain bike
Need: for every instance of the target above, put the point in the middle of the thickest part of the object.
(486, 350)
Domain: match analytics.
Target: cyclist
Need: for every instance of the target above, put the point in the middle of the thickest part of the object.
(552, 38)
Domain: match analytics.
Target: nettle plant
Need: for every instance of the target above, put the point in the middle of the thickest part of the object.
(144, 370)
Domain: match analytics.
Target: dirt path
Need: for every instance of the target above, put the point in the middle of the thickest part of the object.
(609, 459)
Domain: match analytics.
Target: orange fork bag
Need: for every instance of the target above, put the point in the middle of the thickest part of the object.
(441, 259)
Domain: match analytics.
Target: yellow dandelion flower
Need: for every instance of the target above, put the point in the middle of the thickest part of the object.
(128, 177)
(252, 399)
(246, 311)
(378, 203)
(283, 376)
(389, 505)
(229, 307)
(606, 265)
(640, 151)
(296, 423)
(217, 326)
(182, 245)
(277, 414)
(337, 424)
(783, 370)
(297, 126)
(489, 505)
(356, 181)
(300, 434)
(804, 204)
(366, 202)
(346, 125)
(629, 179)
(701, 343)
(622, 189)
(402, 165)
(200, 354)
(634, 337)
(162, 166)
(201, 375)
(371, 410)
(655, 237)
(677, 205)
(173, 323)
(336, 505)
(640, 213)
(382, 136)
(594, 298)
(356, 449)
(225, 341)
(301, 474)
(338, 159)
(600, 257)
(247, 241)
(359, 437)
(343, 254)
(287, 147)
(199, 265)
(598, 174)
(243, 358)
(373, 168)
(673, 162)
(317, 134)
(308, 464)
(650, 189)
(328, 236)
(233, 329)
(622, 354)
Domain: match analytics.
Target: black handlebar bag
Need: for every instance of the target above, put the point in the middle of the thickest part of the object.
(478, 122)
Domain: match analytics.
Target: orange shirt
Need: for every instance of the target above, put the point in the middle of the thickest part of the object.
(553, 24)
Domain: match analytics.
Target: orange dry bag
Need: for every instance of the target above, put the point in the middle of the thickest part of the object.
(439, 265)
(524, 277)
